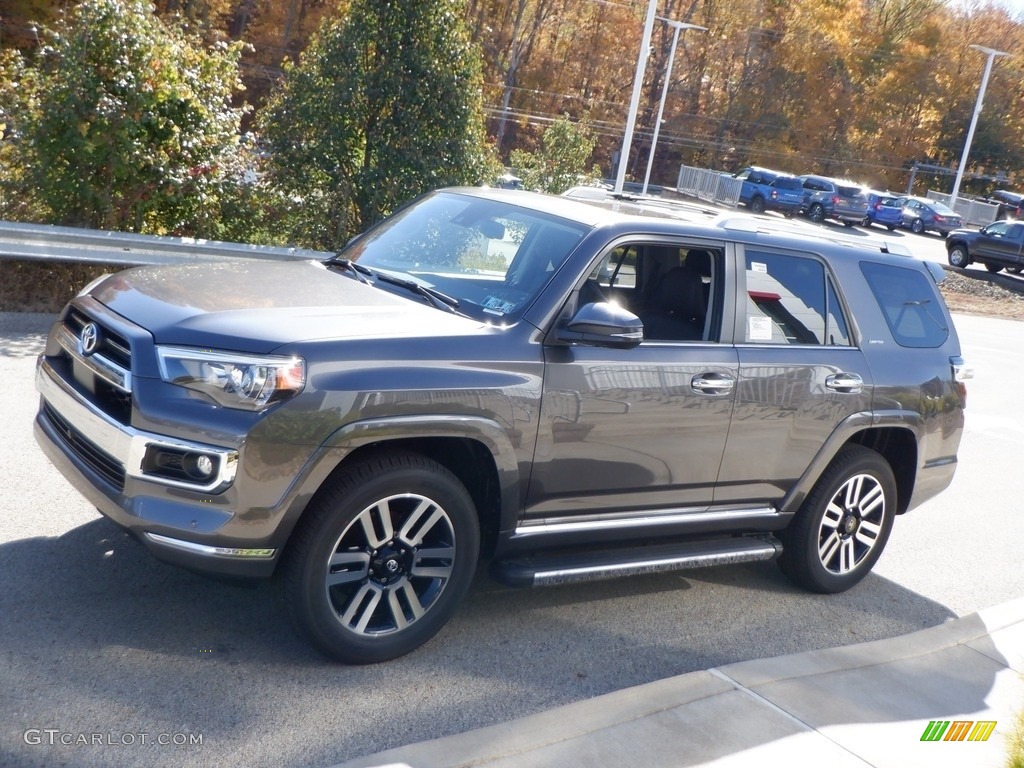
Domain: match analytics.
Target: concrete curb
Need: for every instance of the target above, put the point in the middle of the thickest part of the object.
(865, 704)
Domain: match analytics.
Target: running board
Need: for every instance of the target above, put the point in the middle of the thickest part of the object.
(553, 567)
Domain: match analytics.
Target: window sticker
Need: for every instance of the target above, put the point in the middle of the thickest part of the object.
(759, 328)
(499, 304)
(759, 266)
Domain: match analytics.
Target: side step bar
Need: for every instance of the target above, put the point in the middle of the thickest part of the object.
(553, 567)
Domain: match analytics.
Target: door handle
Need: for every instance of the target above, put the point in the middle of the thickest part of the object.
(847, 383)
(712, 384)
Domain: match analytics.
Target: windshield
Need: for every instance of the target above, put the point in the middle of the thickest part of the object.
(491, 256)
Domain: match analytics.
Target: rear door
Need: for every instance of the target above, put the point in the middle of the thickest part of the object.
(800, 373)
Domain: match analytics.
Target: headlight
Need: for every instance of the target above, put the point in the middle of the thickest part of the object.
(233, 380)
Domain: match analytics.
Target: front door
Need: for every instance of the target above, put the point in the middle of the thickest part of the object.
(641, 429)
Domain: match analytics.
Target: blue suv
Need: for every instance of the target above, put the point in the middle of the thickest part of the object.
(767, 190)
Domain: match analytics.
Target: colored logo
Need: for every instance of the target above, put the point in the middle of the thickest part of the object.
(958, 730)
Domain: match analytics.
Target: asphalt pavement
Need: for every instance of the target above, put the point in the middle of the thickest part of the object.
(99, 639)
(944, 696)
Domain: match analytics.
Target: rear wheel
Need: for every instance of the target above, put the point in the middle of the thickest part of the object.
(1014, 270)
(757, 204)
(816, 213)
(843, 525)
(382, 558)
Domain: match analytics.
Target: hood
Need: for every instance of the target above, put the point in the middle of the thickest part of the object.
(257, 306)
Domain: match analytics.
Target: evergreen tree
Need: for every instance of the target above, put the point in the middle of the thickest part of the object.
(384, 105)
(128, 123)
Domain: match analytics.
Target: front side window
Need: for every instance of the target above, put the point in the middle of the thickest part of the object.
(669, 286)
(490, 256)
(791, 300)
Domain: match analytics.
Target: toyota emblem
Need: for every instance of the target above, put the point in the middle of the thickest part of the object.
(90, 338)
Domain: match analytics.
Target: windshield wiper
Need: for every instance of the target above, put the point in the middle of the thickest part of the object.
(433, 296)
(348, 265)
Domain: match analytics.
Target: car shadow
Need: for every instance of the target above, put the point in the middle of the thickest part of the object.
(90, 618)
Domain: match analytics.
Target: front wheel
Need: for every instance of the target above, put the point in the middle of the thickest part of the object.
(843, 525)
(993, 268)
(917, 227)
(958, 256)
(382, 558)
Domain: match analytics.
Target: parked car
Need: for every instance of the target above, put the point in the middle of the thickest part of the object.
(1010, 204)
(767, 190)
(883, 209)
(826, 198)
(921, 215)
(571, 390)
(997, 245)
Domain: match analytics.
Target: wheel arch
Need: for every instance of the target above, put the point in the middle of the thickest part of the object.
(893, 436)
(477, 450)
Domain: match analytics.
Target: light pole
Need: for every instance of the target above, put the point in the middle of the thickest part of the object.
(634, 102)
(991, 53)
(679, 27)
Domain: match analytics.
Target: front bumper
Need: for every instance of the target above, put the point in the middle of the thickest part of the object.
(105, 461)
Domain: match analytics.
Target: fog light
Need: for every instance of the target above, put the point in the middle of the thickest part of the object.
(198, 465)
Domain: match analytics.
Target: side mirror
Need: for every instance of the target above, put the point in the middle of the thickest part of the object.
(603, 324)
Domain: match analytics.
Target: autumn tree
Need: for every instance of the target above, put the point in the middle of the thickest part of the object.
(384, 105)
(561, 161)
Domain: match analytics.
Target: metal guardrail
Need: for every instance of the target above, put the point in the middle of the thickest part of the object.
(91, 246)
(973, 211)
(714, 186)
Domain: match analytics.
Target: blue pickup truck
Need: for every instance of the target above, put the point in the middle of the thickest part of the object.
(767, 190)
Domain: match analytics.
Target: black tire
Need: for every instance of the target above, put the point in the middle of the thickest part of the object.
(917, 227)
(1014, 270)
(843, 525)
(890, 227)
(757, 204)
(382, 558)
(865, 222)
(993, 268)
(958, 256)
(849, 223)
(816, 213)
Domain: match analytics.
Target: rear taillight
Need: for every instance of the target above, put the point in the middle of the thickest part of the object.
(835, 200)
(961, 373)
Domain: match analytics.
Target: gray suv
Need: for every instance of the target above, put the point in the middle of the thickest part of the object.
(569, 390)
(826, 198)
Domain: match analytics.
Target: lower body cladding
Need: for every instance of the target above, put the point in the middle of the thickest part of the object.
(166, 491)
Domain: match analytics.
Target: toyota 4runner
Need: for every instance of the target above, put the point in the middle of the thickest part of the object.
(569, 390)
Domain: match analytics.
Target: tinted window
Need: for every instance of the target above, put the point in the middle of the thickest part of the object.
(788, 182)
(791, 301)
(849, 191)
(910, 303)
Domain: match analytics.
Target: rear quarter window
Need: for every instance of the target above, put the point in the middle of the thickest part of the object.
(910, 302)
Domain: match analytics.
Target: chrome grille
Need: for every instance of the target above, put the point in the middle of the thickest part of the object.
(112, 345)
(103, 464)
